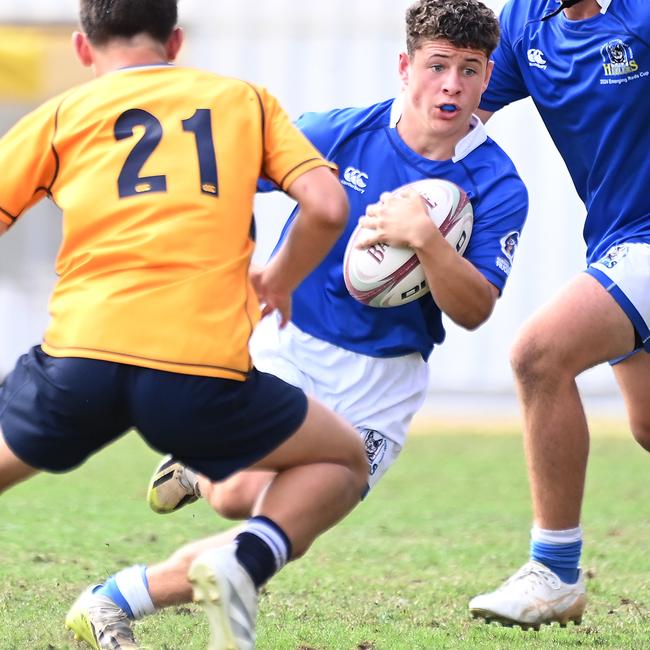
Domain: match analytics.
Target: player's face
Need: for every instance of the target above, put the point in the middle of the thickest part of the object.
(442, 87)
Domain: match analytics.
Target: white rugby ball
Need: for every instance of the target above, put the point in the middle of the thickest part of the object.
(389, 276)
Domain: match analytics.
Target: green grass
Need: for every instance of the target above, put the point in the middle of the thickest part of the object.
(451, 519)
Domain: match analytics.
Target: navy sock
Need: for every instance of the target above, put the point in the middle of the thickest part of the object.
(562, 559)
(263, 548)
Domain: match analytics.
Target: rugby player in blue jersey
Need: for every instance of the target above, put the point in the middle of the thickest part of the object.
(586, 65)
(369, 364)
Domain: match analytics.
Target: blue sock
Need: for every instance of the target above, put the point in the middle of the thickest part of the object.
(263, 548)
(562, 559)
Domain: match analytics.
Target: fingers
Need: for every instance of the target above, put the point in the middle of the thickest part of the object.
(367, 238)
(399, 218)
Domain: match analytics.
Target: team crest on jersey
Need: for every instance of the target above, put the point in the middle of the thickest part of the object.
(509, 245)
(619, 63)
(355, 178)
(375, 445)
(618, 58)
(614, 256)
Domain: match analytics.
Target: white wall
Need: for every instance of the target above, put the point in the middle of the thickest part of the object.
(314, 55)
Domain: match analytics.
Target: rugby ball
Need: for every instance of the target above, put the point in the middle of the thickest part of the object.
(390, 276)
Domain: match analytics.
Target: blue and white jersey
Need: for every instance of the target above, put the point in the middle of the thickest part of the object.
(372, 159)
(590, 80)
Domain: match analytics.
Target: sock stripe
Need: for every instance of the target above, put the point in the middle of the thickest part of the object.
(271, 539)
(569, 536)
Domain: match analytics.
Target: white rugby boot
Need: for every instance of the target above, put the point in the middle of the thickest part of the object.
(532, 597)
(172, 486)
(98, 621)
(228, 596)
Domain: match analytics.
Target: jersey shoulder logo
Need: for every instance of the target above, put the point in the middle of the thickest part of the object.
(536, 59)
(509, 244)
(355, 179)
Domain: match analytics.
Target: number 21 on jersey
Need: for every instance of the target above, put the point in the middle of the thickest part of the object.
(129, 181)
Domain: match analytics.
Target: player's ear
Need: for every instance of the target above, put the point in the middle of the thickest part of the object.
(174, 44)
(404, 67)
(82, 49)
(488, 74)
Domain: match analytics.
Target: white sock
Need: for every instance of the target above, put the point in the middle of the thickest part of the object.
(545, 536)
(132, 584)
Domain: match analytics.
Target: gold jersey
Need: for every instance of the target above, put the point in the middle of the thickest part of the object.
(155, 170)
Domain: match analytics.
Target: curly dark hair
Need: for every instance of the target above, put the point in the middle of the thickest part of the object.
(103, 20)
(464, 23)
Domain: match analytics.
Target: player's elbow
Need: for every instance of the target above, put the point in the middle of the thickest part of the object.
(472, 319)
(471, 314)
(332, 208)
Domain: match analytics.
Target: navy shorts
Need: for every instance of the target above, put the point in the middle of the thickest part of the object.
(55, 412)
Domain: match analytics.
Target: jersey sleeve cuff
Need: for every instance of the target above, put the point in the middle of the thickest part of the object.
(304, 167)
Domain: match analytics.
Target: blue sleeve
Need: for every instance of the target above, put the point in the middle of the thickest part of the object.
(506, 83)
(265, 185)
(499, 216)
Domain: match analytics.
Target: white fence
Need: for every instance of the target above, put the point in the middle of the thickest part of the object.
(313, 55)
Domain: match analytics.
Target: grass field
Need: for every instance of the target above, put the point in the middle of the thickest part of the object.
(450, 520)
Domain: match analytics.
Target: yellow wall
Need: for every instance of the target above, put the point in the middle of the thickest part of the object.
(37, 63)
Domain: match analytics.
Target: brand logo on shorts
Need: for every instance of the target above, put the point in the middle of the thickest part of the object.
(536, 59)
(614, 256)
(355, 179)
(375, 445)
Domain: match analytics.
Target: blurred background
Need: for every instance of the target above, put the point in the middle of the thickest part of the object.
(313, 55)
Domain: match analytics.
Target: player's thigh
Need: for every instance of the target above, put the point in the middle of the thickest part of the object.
(12, 469)
(633, 376)
(323, 437)
(55, 412)
(580, 327)
(214, 425)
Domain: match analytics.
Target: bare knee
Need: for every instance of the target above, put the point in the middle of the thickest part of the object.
(529, 362)
(641, 432)
(236, 497)
(536, 362)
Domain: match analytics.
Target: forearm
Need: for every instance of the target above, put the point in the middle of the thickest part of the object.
(307, 243)
(457, 287)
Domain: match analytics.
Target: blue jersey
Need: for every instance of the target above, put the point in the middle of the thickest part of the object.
(590, 80)
(372, 159)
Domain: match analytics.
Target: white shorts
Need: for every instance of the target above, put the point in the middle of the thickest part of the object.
(625, 272)
(379, 397)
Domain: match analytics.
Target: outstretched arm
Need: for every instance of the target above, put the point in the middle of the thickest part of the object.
(320, 221)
